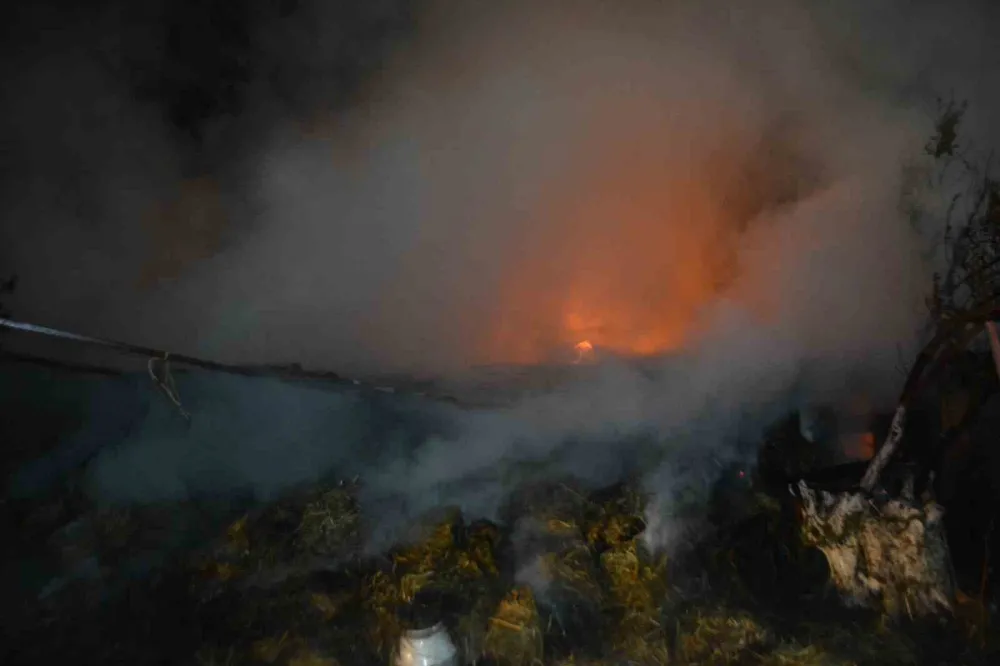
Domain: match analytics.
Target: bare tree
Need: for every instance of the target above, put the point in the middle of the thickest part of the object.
(965, 297)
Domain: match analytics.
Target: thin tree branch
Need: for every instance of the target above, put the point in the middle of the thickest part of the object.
(956, 329)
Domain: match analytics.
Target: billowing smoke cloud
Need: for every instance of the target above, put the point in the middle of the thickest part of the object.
(522, 169)
(717, 183)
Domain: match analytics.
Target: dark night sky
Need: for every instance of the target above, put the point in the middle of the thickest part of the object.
(202, 63)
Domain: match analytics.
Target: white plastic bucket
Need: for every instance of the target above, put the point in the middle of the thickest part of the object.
(427, 647)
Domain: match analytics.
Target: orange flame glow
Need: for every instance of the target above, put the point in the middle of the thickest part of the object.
(584, 351)
(627, 265)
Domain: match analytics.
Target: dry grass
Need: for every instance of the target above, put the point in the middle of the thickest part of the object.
(638, 593)
(618, 520)
(793, 654)
(597, 572)
(435, 561)
(430, 552)
(382, 601)
(307, 657)
(472, 628)
(514, 637)
(596, 561)
(573, 574)
(720, 636)
(330, 523)
(326, 605)
(237, 538)
(284, 538)
(861, 644)
(288, 650)
(637, 582)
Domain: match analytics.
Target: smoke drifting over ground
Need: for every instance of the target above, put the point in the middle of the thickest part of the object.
(717, 183)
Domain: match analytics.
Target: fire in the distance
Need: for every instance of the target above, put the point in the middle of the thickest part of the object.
(538, 330)
(584, 351)
(628, 250)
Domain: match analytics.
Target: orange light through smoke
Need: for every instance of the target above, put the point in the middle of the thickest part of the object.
(626, 258)
(868, 446)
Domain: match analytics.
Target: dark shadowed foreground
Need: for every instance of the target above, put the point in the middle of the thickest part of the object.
(564, 574)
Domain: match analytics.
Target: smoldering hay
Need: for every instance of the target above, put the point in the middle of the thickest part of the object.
(711, 186)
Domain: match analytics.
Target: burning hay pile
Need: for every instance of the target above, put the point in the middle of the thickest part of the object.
(565, 578)
(515, 635)
(307, 531)
(570, 581)
(449, 571)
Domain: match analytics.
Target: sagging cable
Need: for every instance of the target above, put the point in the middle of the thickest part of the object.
(165, 380)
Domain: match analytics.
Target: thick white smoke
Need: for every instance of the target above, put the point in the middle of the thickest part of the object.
(389, 245)
(731, 172)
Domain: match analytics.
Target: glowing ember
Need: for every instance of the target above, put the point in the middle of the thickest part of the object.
(859, 446)
(584, 351)
(868, 445)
